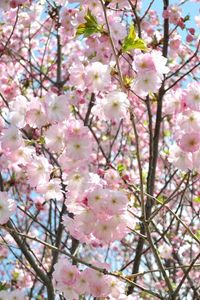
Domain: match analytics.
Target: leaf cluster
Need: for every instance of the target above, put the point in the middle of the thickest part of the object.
(90, 27)
(132, 41)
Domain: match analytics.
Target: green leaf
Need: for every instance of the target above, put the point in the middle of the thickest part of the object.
(41, 140)
(3, 286)
(198, 234)
(90, 27)
(196, 199)
(132, 33)
(120, 168)
(187, 18)
(162, 198)
(167, 133)
(132, 41)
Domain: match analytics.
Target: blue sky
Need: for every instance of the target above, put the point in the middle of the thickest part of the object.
(189, 8)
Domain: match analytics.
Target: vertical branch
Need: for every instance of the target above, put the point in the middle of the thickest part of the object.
(59, 59)
(154, 143)
(137, 18)
(12, 32)
(139, 164)
(59, 55)
(22, 246)
(31, 260)
(90, 106)
(113, 47)
(158, 260)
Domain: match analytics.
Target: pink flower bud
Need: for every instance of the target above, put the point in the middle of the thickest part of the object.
(189, 38)
(192, 31)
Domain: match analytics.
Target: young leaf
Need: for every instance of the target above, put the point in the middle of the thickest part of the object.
(90, 27)
(120, 168)
(3, 286)
(132, 41)
(196, 199)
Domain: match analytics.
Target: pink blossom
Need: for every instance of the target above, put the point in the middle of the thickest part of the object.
(38, 171)
(7, 207)
(75, 129)
(69, 292)
(193, 96)
(99, 283)
(97, 76)
(180, 159)
(118, 30)
(21, 155)
(144, 63)
(54, 138)
(104, 229)
(97, 199)
(114, 106)
(82, 283)
(190, 142)
(99, 289)
(175, 44)
(165, 251)
(85, 221)
(189, 121)
(195, 161)
(18, 111)
(189, 38)
(78, 149)
(112, 177)
(65, 273)
(35, 115)
(77, 75)
(12, 138)
(71, 226)
(51, 190)
(116, 202)
(173, 101)
(56, 107)
(40, 204)
(160, 63)
(146, 83)
(15, 3)
(173, 13)
(151, 62)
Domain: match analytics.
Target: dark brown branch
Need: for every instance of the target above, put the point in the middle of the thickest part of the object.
(154, 158)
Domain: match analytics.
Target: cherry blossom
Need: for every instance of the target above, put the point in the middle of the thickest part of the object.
(190, 142)
(12, 138)
(56, 107)
(192, 96)
(7, 207)
(38, 171)
(146, 83)
(51, 190)
(65, 273)
(97, 76)
(114, 106)
(99, 150)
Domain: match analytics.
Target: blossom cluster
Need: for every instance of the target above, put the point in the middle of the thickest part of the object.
(6, 4)
(74, 163)
(7, 207)
(150, 68)
(185, 154)
(100, 217)
(72, 282)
